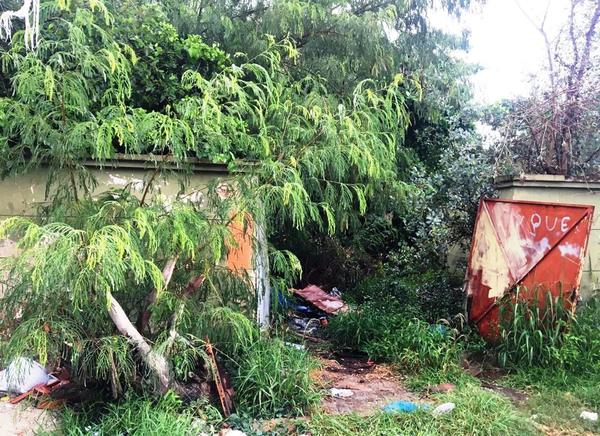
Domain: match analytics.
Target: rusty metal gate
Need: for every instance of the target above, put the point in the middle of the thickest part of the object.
(524, 243)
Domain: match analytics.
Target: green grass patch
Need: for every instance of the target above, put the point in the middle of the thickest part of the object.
(412, 345)
(142, 416)
(555, 357)
(558, 397)
(477, 412)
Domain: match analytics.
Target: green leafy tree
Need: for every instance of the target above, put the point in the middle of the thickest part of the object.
(124, 285)
(343, 43)
(346, 42)
(163, 55)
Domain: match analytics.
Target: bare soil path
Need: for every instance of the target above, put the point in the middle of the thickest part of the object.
(372, 385)
(24, 420)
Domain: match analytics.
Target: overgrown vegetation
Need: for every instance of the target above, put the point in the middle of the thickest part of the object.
(563, 376)
(389, 332)
(96, 266)
(349, 134)
(139, 415)
(548, 334)
(274, 379)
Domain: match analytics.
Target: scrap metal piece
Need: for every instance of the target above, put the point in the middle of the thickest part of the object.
(316, 296)
(524, 244)
(224, 393)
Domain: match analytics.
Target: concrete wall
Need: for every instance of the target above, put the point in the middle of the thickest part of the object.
(558, 189)
(22, 195)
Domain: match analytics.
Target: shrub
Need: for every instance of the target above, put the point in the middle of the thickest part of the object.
(416, 345)
(429, 295)
(355, 329)
(274, 379)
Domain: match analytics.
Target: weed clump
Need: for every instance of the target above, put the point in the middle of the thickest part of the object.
(274, 379)
(549, 335)
(388, 335)
(143, 415)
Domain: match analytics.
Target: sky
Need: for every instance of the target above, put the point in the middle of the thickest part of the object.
(505, 43)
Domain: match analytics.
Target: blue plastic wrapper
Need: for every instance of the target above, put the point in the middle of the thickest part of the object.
(401, 406)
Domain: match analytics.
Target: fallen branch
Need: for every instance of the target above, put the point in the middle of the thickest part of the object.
(144, 317)
(157, 363)
(191, 287)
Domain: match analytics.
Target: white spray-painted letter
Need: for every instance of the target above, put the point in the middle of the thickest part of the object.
(536, 221)
(564, 223)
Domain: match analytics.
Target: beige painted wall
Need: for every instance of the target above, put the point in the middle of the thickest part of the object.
(557, 189)
(22, 195)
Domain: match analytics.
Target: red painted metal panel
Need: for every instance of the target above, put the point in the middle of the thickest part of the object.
(524, 243)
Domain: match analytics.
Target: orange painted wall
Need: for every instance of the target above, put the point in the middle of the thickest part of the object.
(239, 257)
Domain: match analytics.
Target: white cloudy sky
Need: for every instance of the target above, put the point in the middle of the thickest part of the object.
(505, 43)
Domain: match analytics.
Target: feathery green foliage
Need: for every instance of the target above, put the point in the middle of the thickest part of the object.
(93, 263)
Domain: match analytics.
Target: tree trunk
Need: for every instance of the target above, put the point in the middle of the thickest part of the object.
(156, 362)
(144, 317)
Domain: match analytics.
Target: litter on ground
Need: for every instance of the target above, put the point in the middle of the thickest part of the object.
(589, 416)
(340, 393)
(442, 409)
(328, 303)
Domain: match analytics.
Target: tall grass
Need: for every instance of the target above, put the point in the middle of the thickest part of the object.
(570, 384)
(142, 416)
(548, 334)
(274, 379)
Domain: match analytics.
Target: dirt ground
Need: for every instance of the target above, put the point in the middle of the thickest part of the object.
(24, 420)
(372, 385)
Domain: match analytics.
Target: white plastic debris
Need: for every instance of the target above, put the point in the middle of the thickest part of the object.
(443, 409)
(590, 416)
(296, 346)
(29, 12)
(340, 393)
(22, 375)
(230, 432)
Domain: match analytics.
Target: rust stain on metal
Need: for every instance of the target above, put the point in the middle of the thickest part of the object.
(524, 243)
